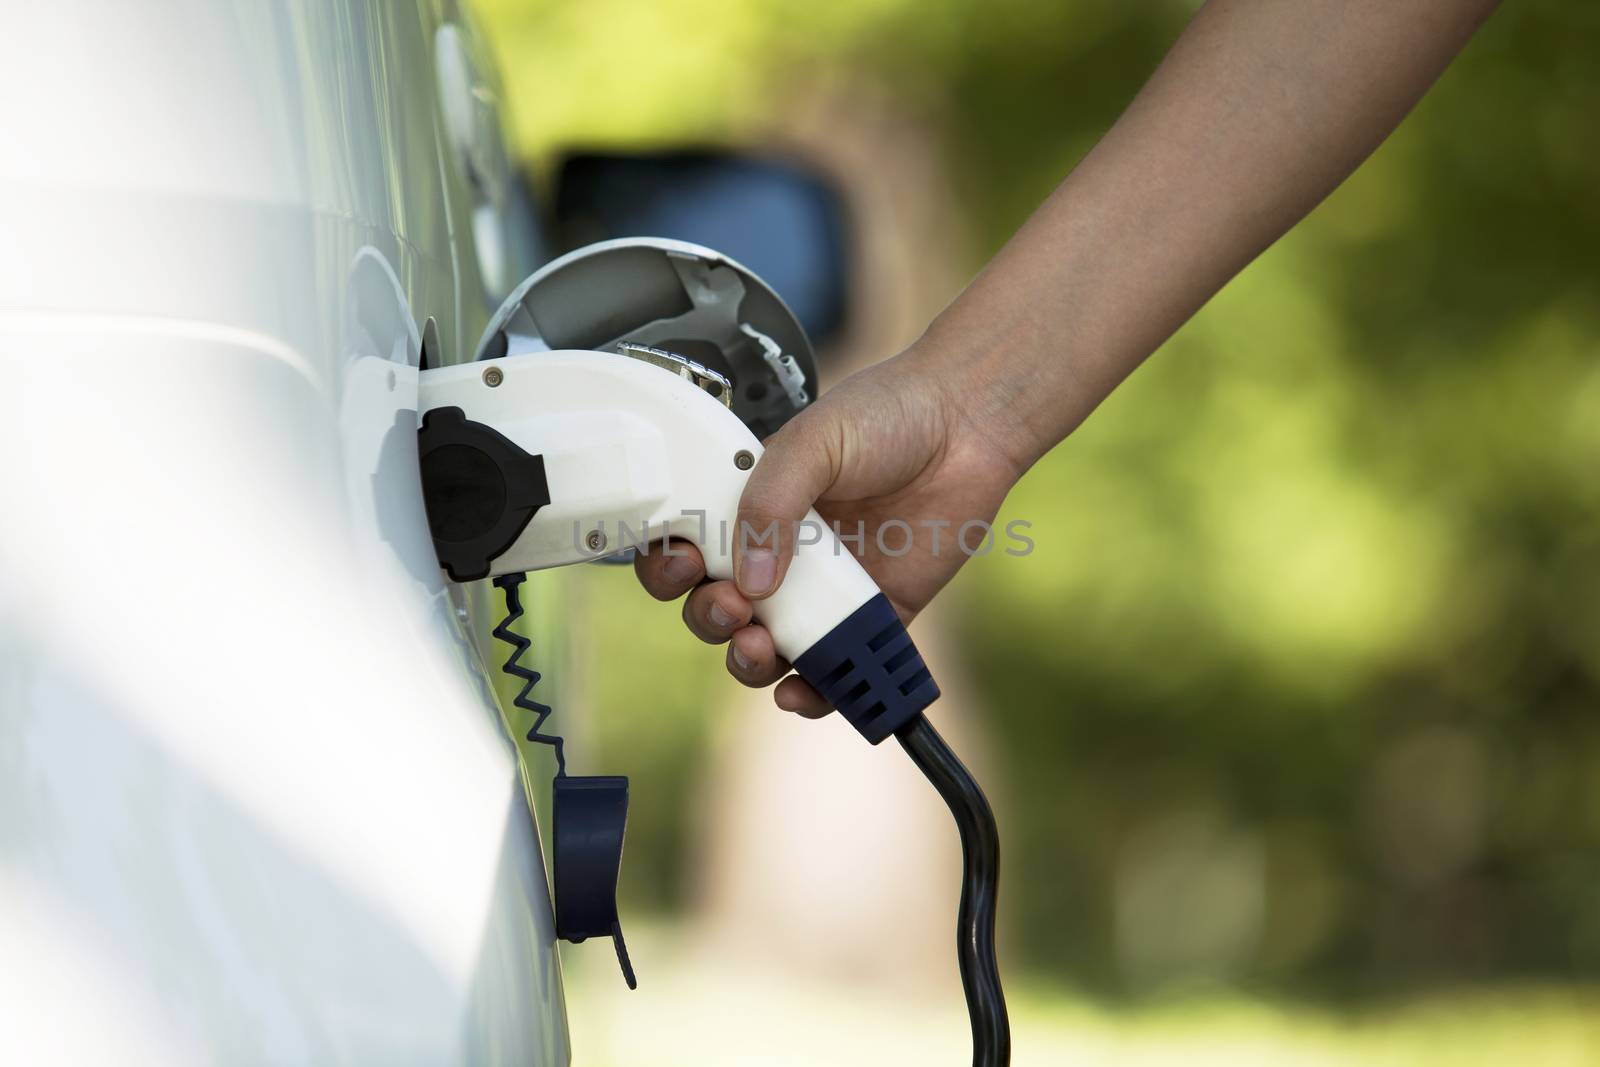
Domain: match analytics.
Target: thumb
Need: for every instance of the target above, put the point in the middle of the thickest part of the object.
(796, 468)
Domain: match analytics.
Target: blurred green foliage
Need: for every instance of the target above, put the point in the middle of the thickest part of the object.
(1300, 684)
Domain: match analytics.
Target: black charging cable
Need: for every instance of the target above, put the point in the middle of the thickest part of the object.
(980, 884)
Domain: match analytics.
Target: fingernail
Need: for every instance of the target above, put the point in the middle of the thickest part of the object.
(721, 617)
(739, 658)
(682, 570)
(758, 570)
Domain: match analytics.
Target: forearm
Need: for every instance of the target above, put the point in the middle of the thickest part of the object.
(1259, 111)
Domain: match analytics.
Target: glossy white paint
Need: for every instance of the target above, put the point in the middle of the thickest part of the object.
(257, 802)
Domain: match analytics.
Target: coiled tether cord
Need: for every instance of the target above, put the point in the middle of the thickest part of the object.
(980, 883)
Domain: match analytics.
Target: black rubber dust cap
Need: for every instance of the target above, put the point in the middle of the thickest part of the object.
(588, 816)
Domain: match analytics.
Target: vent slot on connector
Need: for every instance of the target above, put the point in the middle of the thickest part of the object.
(868, 668)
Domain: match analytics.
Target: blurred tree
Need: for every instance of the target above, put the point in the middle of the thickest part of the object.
(1309, 649)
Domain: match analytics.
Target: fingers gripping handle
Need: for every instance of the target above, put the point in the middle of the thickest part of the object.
(827, 617)
(830, 620)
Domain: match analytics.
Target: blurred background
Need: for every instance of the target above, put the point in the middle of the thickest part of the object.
(1289, 720)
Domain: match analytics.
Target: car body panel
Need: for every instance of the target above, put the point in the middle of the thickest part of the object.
(258, 802)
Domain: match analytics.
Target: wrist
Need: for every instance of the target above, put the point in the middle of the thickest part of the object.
(989, 391)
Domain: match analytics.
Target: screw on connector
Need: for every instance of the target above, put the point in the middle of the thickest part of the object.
(743, 459)
(493, 377)
(595, 540)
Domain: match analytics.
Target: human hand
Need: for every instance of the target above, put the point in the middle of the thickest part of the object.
(893, 442)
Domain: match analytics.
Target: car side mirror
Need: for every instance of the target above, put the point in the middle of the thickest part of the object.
(782, 220)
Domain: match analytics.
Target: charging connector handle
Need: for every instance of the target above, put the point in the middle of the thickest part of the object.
(543, 459)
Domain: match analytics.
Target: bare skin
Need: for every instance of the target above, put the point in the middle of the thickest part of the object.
(1259, 111)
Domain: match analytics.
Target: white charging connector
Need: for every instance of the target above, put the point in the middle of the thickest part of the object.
(550, 458)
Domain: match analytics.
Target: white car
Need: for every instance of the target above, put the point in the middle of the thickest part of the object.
(257, 800)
